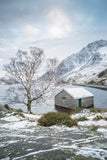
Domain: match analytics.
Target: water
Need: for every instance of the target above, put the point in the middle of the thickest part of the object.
(100, 97)
(100, 100)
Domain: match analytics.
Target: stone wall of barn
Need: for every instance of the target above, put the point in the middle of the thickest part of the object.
(87, 102)
(65, 100)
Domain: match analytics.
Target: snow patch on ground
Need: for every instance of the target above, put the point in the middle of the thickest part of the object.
(93, 123)
(18, 122)
(63, 128)
(85, 112)
(92, 118)
(12, 118)
(19, 125)
(103, 131)
(35, 117)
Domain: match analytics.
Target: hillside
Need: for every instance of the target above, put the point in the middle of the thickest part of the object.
(84, 66)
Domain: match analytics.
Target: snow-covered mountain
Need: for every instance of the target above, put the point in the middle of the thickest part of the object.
(86, 64)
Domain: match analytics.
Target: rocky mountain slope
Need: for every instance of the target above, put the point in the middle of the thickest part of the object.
(86, 65)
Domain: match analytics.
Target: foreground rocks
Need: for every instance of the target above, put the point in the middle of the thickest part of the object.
(22, 139)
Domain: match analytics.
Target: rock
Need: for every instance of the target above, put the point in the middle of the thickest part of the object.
(3, 111)
(103, 74)
(2, 108)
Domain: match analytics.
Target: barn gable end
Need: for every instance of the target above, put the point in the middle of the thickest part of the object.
(64, 99)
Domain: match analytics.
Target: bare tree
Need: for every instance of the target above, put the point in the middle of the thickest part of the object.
(25, 70)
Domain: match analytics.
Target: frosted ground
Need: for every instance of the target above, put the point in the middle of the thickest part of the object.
(22, 138)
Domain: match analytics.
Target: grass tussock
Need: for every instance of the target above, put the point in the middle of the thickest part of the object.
(19, 114)
(94, 128)
(19, 110)
(31, 119)
(74, 111)
(56, 118)
(98, 117)
(96, 110)
(82, 119)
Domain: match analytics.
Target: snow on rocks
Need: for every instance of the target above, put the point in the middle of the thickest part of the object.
(94, 119)
(19, 125)
(18, 122)
(32, 117)
(102, 130)
(85, 112)
(63, 128)
(11, 118)
(92, 152)
(93, 123)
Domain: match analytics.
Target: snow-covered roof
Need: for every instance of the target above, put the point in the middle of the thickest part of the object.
(78, 93)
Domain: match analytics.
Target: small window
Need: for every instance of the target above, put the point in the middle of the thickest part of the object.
(63, 97)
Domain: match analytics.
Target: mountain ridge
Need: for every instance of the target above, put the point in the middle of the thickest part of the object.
(88, 58)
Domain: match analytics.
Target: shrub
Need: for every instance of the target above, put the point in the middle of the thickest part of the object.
(56, 118)
(70, 123)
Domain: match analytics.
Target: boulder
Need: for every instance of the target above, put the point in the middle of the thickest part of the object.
(3, 111)
(2, 108)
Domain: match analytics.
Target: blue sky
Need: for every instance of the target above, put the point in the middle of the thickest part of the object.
(59, 27)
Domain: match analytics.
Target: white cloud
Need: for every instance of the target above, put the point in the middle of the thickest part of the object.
(2, 49)
(31, 32)
(1, 60)
(60, 25)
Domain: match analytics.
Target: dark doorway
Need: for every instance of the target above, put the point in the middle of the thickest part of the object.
(79, 102)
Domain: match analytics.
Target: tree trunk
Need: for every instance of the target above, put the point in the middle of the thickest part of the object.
(29, 106)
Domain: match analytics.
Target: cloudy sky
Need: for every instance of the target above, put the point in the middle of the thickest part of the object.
(59, 27)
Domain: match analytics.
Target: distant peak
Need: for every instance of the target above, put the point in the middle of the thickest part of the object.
(98, 43)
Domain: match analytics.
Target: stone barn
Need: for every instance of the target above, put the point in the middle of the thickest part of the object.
(73, 98)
